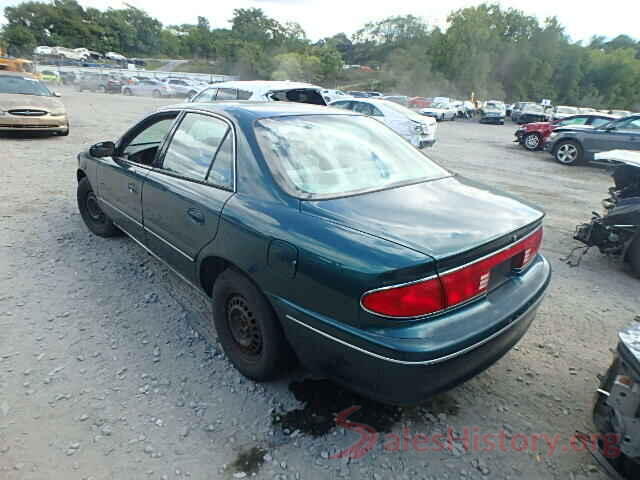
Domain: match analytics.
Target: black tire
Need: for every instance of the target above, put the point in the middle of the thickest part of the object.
(633, 256)
(127, 92)
(562, 155)
(94, 218)
(64, 133)
(532, 142)
(155, 94)
(248, 328)
(102, 89)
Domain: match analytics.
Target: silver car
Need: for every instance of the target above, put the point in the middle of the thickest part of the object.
(149, 88)
(182, 88)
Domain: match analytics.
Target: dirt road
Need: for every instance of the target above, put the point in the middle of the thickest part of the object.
(102, 375)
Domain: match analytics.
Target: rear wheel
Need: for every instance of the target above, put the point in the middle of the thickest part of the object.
(96, 220)
(248, 328)
(568, 153)
(531, 141)
(634, 256)
(156, 93)
(127, 91)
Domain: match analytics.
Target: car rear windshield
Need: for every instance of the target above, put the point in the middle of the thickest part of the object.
(328, 156)
(23, 86)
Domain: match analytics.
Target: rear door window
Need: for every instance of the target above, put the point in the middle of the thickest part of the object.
(208, 95)
(194, 145)
(227, 94)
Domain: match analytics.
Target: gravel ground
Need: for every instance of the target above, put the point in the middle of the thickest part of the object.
(104, 376)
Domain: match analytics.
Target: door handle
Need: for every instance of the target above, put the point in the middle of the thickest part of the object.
(132, 188)
(196, 215)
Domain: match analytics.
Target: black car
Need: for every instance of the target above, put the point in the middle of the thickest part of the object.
(575, 145)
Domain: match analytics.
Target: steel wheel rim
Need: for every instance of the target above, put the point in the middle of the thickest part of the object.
(532, 141)
(93, 209)
(244, 326)
(567, 153)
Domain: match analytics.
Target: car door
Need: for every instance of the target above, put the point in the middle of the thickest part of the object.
(184, 194)
(621, 134)
(631, 133)
(121, 177)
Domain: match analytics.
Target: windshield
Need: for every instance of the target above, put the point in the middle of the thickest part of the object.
(533, 109)
(23, 86)
(323, 156)
(443, 106)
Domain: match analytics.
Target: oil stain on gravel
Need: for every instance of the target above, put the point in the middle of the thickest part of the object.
(323, 400)
(248, 462)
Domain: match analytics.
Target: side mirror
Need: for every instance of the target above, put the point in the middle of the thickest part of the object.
(103, 149)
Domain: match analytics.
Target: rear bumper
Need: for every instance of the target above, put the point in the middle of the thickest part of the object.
(496, 120)
(407, 366)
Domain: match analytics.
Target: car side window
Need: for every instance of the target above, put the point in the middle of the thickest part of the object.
(598, 121)
(244, 94)
(573, 121)
(143, 145)
(194, 145)
(344, 104)
(221, 173)
(632, 123)
(208, 95)
(227, 94)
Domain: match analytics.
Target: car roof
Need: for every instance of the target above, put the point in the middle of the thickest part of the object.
(253, 110)
(262, 86)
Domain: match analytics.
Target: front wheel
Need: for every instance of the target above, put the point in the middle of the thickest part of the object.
(634, 256)
(127, 92)
(96, 220)
(531, 141)
(568, 153)
(248, 328)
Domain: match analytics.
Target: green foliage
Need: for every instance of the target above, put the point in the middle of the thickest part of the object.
(487, 50)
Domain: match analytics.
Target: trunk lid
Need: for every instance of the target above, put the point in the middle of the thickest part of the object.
(443, 218)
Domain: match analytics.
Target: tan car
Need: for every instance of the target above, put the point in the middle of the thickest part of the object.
(26, 104)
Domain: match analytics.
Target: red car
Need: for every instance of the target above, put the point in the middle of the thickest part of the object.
(533, 135)
(420, 102)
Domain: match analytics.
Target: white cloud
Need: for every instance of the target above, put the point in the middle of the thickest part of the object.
(322, 18)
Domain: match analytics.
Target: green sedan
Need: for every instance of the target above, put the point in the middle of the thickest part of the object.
(323, 237)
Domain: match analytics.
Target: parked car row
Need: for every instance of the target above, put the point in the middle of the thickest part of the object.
(576, 139)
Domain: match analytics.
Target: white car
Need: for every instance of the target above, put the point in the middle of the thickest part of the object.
(261, 91)
(561, 112)
(333, 95)
(418, 130)
(440, 111)
(115, 56)
(182, 87)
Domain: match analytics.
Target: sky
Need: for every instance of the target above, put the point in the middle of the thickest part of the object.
(322, 18)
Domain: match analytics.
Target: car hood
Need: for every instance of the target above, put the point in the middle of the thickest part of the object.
(439, 218)
(9, 101)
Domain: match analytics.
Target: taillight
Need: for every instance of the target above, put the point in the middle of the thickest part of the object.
(451, 288)
(415, 299)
